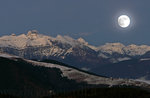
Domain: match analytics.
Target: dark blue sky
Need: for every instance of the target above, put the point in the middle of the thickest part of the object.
(94, 20)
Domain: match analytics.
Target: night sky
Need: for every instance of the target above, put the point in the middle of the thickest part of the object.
(94, 20)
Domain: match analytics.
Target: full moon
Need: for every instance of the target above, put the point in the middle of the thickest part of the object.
(123, 21)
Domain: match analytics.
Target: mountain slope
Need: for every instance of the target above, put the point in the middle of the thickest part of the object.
(131, 69)
(31, 78)
(21, 78)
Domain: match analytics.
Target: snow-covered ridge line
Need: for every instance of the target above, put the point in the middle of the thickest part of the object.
(32, 38)
(131, 50)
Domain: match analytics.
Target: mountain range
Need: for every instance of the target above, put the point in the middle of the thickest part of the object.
(102, 60)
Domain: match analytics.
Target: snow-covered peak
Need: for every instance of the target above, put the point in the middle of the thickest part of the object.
(13, 41)
(119, 48)
(64, 39)
(59, 37)
(33, 38)
(81, 40)
(112, 47)
(134, 50)
(22, 41)
(92, 47)
(13, 34)
(33, 34)
(67, 40)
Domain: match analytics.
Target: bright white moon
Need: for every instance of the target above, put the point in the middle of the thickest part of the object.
(124, 21)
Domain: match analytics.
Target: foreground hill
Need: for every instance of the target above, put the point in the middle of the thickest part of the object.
(22, 77)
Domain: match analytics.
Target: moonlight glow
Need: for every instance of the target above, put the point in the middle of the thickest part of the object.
(124, 21)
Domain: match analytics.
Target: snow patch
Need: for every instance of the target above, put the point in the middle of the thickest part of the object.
(145, 59)
(86, 69)
(123, 59)
(8, 55)
(143, 79)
